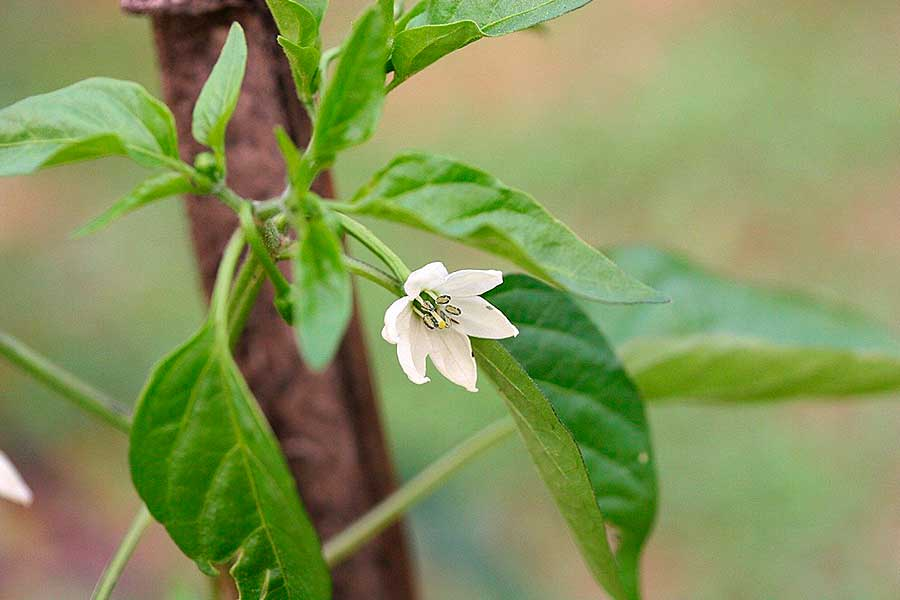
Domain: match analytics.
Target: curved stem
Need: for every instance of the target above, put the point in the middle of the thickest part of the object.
(243, 296)
(373, 274)
(224, 277)
(362, 233)
(117, 564)
(67, 385)
(419, 487)
(258, 246)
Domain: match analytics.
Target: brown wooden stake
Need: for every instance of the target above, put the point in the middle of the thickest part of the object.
(328, 423)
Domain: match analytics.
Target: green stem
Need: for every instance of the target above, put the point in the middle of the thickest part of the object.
(391, 508)
(115, 567)
(61, 381)
(368, 239)
(243, 296)
(224, 276)
(373, 274)
(261, 251)
(228, 197)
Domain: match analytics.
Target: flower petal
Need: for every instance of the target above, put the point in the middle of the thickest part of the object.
(428, 277)
(482, 319)
(470, 282)
(12, 486)
(451, 353)
(390, 332)
(412, 350)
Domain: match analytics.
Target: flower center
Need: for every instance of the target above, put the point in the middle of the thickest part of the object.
(435, 310)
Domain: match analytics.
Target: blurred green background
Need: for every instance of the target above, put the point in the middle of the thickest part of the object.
(758, 137)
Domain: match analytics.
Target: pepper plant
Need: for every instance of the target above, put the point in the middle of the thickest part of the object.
(574, 345)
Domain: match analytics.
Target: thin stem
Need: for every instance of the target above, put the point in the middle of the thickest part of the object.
(115, 567)
(228, 197)
(265, 209)
(373, 243)
(373, 274)
(419, 487)
(243, 296)
(258, 246)
(66, 384)
(224, 276)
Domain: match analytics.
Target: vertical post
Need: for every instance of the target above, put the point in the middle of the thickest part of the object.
(327, 423)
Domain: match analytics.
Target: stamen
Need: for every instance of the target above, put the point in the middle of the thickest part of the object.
(442, 299)
(453, 310)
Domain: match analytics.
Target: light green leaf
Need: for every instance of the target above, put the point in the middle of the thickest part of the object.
(568, 358)
(723, 340)
(418, 47)
(209, 468)
(448, 25)
(297, 21)
(90, 119)
(154, 188)
(557, 458)
(220, 93)
(351, 106)
(304, 61)
(323, 300)
(459, 202)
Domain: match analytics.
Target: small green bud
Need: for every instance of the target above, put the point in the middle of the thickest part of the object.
(206, 163)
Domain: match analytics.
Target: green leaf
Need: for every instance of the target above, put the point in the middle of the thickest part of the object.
(351, 106)
(323, 300)
(90, 119)
(304, 62)
(448, 25)
(209, 468)
(298, 22)
(723, 340)
(557, 458)
(220, 93)
(154, 188)
(568, 358)
(416, 48)
(459, 202)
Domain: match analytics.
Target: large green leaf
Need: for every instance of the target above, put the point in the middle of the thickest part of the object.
(90, 119)
(557, 458)
(723, 340)
(220, 93)
(351, 105)
(149, 190)
(448, 25)
(323, 300)
(568, 358)
(208, 467)
(459, 202)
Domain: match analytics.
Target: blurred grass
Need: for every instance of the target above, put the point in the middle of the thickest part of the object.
(760, 138)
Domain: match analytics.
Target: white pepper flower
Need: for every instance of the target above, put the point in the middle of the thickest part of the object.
(436, 317)
(12, 486)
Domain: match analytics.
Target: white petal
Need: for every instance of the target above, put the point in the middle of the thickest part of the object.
(428, 277)
(482, 319)
(12, 486)
(390, 332)
(451, 353)
(412, 350)
(470, 282)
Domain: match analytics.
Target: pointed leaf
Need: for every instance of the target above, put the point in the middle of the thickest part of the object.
(557, 458)
(351, 106)
(568, 358)
(304, 61)
(209, 468)
(220, 93)
(323, 300)
(418, 47)
(150, 190)
(459, 202)
(724, 340)
(90, 119)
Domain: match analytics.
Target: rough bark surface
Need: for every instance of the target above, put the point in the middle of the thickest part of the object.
(327, 423)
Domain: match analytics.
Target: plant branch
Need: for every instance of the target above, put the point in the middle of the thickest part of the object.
(117, 564)
(419, 487)
(373, 274)
(368, 239)
(64, 383)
